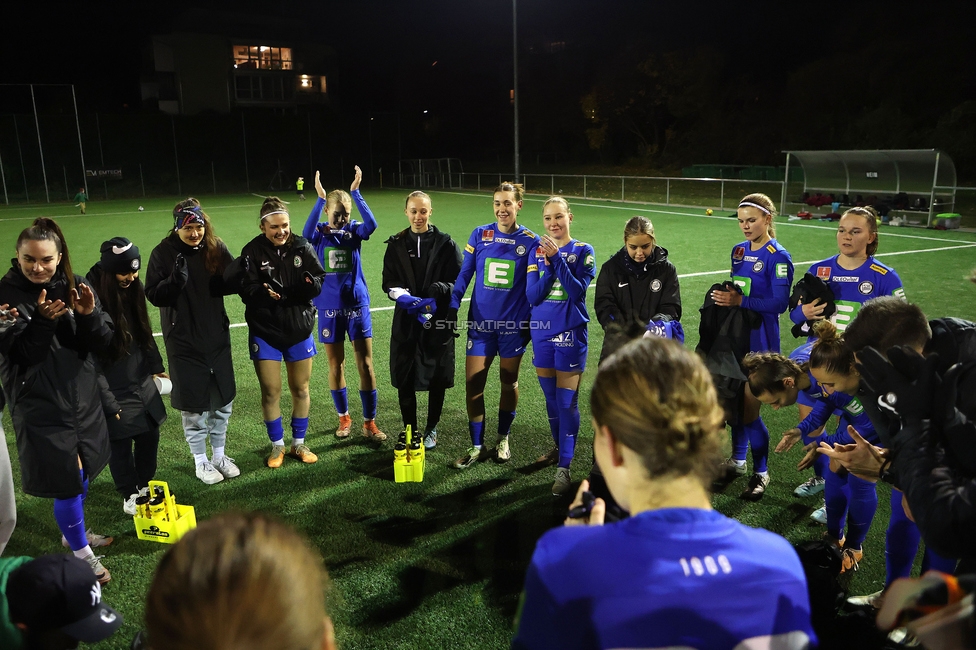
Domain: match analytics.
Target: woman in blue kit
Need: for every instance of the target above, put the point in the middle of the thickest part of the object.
(558, 278)
(676, 573)
(763, 271)
(343, 304)
(281, 275)
(496, 259)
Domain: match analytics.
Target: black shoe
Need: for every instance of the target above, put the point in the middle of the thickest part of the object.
(757, 487)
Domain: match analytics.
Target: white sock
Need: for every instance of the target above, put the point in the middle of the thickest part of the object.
(218, 453)
(278, 443)
(763, 474)
(83, 553)
(200, 458)
(477, 446)
(297, 441)
(739, 463)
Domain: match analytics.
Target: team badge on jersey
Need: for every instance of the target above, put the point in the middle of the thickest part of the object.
(739, 253)
(823, 272)
(758, 266)
(866, 287)
(520, 250)
(297, 261)
(487, 235)
(572, 258)
(655, 285)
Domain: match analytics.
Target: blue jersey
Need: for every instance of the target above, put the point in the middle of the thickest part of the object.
(801, 355)
(851, 413)
(765, 277)
(498, 263)
(675, 577)
(338, 250)
(557, 292)
(853, 288)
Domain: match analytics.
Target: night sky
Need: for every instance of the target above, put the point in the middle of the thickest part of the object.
(814, 67)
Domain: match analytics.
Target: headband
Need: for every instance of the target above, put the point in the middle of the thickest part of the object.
(265, 216)
(750, 204)
(186, 216)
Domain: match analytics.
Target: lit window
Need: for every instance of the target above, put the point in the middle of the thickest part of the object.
(262, 57)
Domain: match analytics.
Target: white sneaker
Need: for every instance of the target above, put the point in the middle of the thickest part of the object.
(129, 505)
(502, 452)
(820, 515)
(813, 485)
(226, 467)
(207, 473)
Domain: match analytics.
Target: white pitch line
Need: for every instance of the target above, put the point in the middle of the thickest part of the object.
(699, 274)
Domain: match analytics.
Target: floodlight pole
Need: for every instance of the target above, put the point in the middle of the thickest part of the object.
(515, 94)
(81, 147)
(3, 177)
(935, 181)
(40, 147)
(786, 182)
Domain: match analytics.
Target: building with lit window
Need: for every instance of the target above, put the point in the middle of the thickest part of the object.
(244, 65)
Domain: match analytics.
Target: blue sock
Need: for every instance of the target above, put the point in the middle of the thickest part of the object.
(901, 541)
(569, 424)
(759, 441)
(505, 419)
(368, 398)
(935, 562)
(275, 432)
(740, 442)
(477, 430)
(84, 485)
(821, 466)
(299, 426)
(340, 401)
(71, 520)
(860, 512)
(836, 497)
(552, 410)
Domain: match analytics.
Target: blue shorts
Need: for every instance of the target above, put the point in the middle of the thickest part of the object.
(334, 324)
(503, 343)
(261, 350)
(565, 352)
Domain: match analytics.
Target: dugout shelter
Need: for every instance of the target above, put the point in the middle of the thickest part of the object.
(926, 176)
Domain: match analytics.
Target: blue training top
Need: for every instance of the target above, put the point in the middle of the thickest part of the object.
(852, 413)
(853, 288)
(339, 251)
(675, 577)
(557, 292)
(765, 277)
(498, 263)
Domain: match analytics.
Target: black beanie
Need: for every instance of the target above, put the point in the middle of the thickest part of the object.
(120, 256)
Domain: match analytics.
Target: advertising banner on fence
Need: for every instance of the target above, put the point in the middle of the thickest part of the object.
(104, 174)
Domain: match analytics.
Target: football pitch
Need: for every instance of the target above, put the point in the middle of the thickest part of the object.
(440, 564)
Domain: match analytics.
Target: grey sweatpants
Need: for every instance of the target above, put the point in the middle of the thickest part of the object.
(8, 507)
(197, 426)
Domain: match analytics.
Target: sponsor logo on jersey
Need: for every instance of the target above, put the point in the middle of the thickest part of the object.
(655, 285)
(854, 407)
(487, 235)
(337, 260)
(847, 278)
(571, 258)
(823, 272)
(468, 248)
(589, 261)
(297, 261)
(557, 292)
(866, 287)
(539, 252)
(899, 293)
(846, 311)
(770, 248)
(782, 270)
(520, 249)
(499, 274)
(757, 267)
(504, 240)
(743, 283)
(879, 269)
(739, 252)
(532, 268)
(750, 258)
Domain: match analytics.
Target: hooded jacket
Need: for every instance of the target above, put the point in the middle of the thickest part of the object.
(51, 385)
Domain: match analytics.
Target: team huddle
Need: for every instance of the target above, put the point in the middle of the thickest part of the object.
(81, 370)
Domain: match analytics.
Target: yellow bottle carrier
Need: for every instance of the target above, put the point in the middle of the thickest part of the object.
(408, 463)
(161, 519)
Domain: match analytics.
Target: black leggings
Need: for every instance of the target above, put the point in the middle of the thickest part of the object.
(132, 470)
(435, 406)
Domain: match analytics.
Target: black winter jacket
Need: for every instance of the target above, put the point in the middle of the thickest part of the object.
(419, 353)
(51, 385)
(129, 389)
(195, 326)
(628, 293)
(293, 271)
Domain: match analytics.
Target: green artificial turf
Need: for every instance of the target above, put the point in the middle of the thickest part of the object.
(440, 564)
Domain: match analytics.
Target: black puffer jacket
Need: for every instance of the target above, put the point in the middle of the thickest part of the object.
(421, 353)
(130, 390)
(293, 271)
(195, 325)
(51, 385)
(629, 293)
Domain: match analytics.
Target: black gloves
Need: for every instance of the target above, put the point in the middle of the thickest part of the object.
(180, 274)
(906, 383)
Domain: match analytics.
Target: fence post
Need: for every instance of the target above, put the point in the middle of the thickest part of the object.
(621, 188)
(721, 201)
(584, 186)
(213, 175)
(552, 185)
(667, 192)
(142, 181)
(3, 177)
(67, 192)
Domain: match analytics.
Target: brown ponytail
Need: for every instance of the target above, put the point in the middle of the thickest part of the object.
(44, 229)
(829, 351)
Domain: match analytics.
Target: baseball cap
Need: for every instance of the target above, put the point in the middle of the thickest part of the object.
(61, 592)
